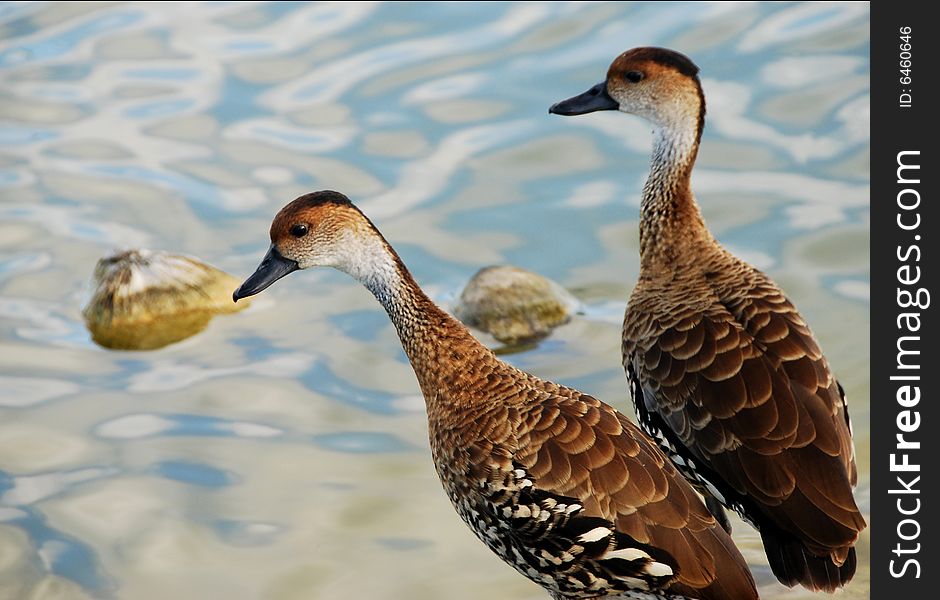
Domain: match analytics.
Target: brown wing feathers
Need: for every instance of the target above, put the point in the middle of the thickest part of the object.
(743, 387)
(583, 449)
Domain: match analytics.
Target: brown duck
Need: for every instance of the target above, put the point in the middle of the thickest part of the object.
(724, 371)
(560, 485)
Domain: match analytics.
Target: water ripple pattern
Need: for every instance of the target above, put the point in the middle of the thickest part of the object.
(282, 453)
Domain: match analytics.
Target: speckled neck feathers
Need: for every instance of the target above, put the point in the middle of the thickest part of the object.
(670, 220)
(430, 336)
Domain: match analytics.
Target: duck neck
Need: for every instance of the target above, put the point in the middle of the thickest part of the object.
(669, 215)
(433, 340)
(415, 316)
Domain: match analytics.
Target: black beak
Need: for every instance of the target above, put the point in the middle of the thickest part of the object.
(273, 266)
(592, 100)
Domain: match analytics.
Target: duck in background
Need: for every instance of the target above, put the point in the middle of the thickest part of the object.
(560, 485)
(724, 371)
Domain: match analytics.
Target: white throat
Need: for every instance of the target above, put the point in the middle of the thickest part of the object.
(368, 259)
(675, 132)
(675, 144)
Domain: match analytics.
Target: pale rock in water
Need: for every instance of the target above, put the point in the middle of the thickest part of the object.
(514, 305)
(146, 299)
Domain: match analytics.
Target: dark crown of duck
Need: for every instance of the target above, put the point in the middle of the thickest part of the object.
(724, 371)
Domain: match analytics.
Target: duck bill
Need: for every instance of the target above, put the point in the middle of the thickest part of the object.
(593, 100)
(273, 266)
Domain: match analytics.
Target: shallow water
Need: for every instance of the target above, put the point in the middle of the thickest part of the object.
(282, 453)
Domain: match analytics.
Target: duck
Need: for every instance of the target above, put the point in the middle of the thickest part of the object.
(724, 371)
(558, 484)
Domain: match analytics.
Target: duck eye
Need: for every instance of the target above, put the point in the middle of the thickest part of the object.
(298, 230)
(634, 76)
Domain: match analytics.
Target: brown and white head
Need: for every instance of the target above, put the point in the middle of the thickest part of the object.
(658, 84)
(322, 229)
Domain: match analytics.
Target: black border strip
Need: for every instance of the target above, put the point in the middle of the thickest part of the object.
(904, 271)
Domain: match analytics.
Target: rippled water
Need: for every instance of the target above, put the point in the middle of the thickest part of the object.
(282, 453)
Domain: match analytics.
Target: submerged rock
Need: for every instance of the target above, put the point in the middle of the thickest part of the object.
(514, 305)
(147, 299)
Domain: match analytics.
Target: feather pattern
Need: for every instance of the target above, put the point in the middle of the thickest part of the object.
(757, 406)
(576, 498)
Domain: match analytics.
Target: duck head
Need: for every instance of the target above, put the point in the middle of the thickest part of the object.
(318, 229)
(658, 84)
